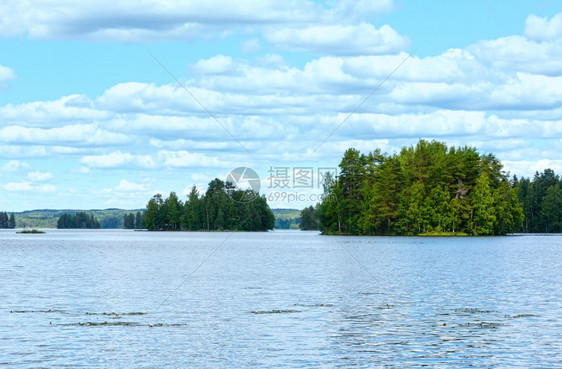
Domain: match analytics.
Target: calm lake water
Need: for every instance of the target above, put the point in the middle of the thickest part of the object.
(124, 299)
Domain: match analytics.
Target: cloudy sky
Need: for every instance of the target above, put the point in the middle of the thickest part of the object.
(92, 116)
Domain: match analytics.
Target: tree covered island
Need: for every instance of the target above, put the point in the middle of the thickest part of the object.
(222, 207)
(426, 188)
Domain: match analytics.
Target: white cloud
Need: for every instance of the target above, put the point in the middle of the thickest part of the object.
(38, 176)
(6, 74)
(126, 186)
(151, 20)
(73, 108)
(76, 134)
(186, 159)
(28, 187)
(338, 39)
(499, 95)
(118, 159)
(14, 166)
(541, 28)
(219, 64)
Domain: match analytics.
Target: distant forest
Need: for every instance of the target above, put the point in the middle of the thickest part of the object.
(222, 207)
(7, 221)
(286, 218)
(133, 221)
(81, 220)
(431, 188)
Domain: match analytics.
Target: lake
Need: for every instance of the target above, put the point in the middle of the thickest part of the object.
(125, 299)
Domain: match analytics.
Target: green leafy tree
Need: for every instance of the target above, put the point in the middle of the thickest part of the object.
(483, 207)
(308, 219)
(551, 209)
(427, 187)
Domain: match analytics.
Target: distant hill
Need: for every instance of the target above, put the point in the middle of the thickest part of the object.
(287, 218)
(113, 218)
(47, 218)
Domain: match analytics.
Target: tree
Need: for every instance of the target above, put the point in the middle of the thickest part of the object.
(139, 220)
(173, 211)
(12, 221)
(427, 187)
(79, 220)
(222, 207)
(129, 221)
(483, 207)
(551, 209)
(308, 219)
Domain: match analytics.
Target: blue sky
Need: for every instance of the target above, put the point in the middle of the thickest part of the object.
(88, 119)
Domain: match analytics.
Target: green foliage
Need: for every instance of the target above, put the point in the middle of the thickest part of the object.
(132, 221)
(220, 208)
(286, 218)
(80, 220)
(47, 218)
(426, 189)
(32, 231)
(542, 202)
(7, 221)
(309, 221)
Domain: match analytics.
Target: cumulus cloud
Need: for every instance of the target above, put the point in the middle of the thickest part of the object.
(505, 90)
(6, 74)
(186, 159)
(28, 187)
(542, 29)
(76, 134)
(219, 64)
(14, 166)
(361, 39)
(151, 20)
(118, 159)
(38, 176)
(126, 186)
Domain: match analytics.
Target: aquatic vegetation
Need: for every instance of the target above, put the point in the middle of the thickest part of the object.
(30, 231)
(474, 311)
(124, 324)
(38, 311)
(517, 316)
(115, 314)
(315, 305)
(287, 311)
(483, 325)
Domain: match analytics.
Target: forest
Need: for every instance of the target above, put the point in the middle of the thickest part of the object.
(133, 221)
(428, 188)
(542, 202)
(7, 221)
(80, 220)
(222, 207)
(308, 219)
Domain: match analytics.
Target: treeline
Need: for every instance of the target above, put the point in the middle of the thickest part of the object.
(222, 207)
(287, 218)
(542, 202)
(425, 188)
(309, 220)
(132, 221)
(80, 220)
(7, 221)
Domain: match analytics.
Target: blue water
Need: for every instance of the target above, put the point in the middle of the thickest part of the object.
(124, 299)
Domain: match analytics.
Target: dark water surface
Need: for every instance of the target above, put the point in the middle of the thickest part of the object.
(123, 299)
